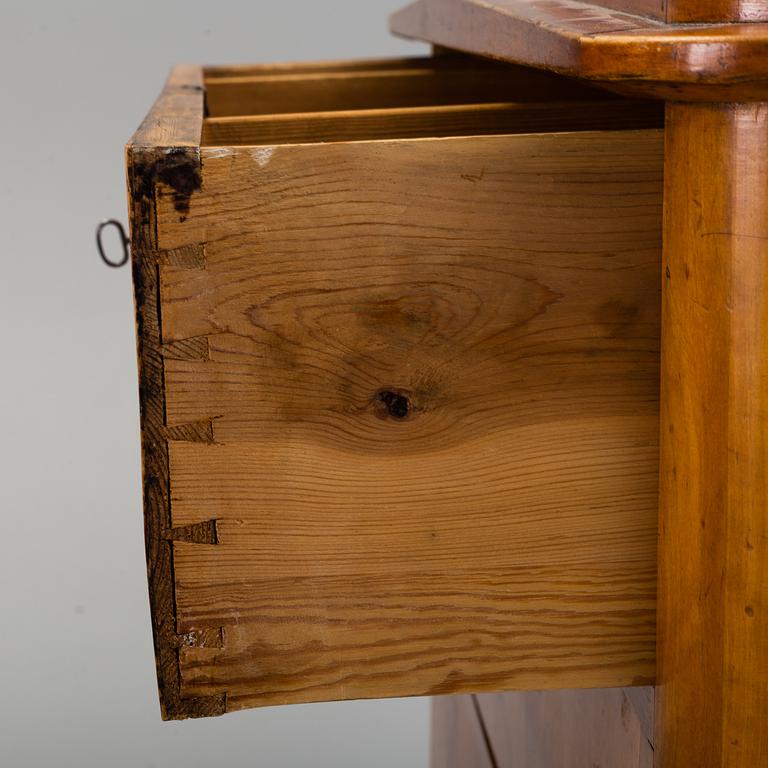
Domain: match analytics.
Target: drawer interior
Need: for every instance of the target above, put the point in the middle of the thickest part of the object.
(404, 98)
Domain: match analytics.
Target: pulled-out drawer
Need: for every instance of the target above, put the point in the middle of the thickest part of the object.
(399, 358)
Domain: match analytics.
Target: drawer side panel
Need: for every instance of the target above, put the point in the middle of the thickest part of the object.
(421, 378)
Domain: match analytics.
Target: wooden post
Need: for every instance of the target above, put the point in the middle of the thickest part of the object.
(712, 647)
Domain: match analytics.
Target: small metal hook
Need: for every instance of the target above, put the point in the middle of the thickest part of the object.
(123, 237)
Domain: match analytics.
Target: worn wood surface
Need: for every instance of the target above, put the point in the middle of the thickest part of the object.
(424, 381)
(415, 82)
(176, 117)
(435, 121)
(164, 151)
(603, 728)
(713, 557)
(628, 53)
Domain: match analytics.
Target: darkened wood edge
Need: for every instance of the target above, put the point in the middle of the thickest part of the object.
(635, 54)
(163, 154)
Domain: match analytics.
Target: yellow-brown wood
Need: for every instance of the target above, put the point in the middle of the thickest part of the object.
(428, 371)
(399, 404)
(713, 634)
(713, 557)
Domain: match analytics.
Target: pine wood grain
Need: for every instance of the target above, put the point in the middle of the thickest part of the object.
(431, 379)
(713, 558)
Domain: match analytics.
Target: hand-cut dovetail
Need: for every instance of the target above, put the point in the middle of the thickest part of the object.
(193, 432)
(193, 348)
(197, 533)
(207, 637)
(186, 256)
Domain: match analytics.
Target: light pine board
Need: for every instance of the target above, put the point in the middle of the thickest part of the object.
(412, 394)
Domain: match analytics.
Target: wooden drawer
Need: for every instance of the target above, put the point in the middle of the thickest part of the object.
(399, 357)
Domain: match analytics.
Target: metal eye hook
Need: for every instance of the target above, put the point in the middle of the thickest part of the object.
(123, 237)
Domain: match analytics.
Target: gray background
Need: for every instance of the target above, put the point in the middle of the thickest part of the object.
(77, 684)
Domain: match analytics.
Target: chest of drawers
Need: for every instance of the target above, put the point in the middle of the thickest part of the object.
(401, 337)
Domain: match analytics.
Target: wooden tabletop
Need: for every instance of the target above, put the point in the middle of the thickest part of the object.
(627, 53)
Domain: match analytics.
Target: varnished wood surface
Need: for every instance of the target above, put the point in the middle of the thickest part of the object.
(693, 11)
(628, 53)
(602, 728)
(427, 373)
(436, 121)
(713, 557)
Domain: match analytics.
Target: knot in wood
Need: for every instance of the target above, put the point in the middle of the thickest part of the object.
(393, 404)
